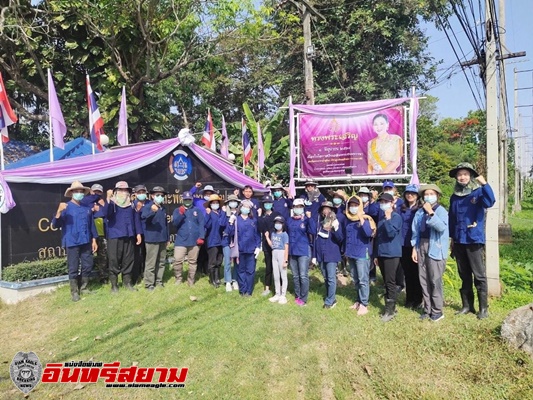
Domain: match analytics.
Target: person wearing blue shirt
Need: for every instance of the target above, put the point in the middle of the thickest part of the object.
(327, 250)
(407, 210)
(312, 198)
(200, 196)
(301, 229)
(215, 223)
(471, 197)
(123, 233)
(278, 240)
(389, 251)
(244, 227)
(139, 259)
(430, 238)
(282, 204)
(228, 244)
(190, 235)
(156, 237)
(359, 229)
(78, 236)
(247, 193)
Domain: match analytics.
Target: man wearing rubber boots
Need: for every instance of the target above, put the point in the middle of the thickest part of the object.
(472, 196)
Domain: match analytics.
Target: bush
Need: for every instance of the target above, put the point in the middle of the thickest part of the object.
(27, 271)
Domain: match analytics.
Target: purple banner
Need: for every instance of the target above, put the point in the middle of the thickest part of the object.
(356, 145)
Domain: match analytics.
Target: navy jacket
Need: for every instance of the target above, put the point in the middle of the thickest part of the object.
(266, 224)
(329, 249)
(215, 223)
(247, 234)
(313, 206)
(189, 227)
(389, 237)
(155, 224)
(122, 222)
(77, 225)
(283, 207)
(407, 218)
(358, 239)
(300, 230)
(467, 215)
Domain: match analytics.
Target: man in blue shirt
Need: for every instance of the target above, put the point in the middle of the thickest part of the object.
(471, 197)
(79, 235)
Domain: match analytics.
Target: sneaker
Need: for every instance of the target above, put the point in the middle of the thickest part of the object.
(274, 299)
(297, 301)
(266, 292)
(150, 288)
(330, 306)
(424, 316)
(160, 284)
(228, 287)
(362, 310)
(235, 285)
(355, 306)
(437, 317)
(282, 300)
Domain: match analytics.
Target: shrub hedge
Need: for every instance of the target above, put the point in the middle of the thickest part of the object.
(30, 270)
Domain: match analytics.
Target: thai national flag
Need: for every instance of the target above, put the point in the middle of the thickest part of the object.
(7, 116)
(208, 138)
(247, 148)
(96, 123)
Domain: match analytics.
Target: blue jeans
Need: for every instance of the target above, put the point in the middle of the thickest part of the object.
(300, 274)
(360, 268)
(246, 273)
(230, 274)
(329, 271)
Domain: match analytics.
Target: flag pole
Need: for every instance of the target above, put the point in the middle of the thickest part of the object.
(50, 133)
(2, 152)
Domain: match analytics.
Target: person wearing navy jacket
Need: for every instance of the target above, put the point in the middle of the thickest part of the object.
(214, 226)
(301, 228)
(228, 244)
(327, 250)
(388, 251)
(312, 198)
(407, 210)
(359, 229)
(244, 226)
(78, 236)
(247, 194)
(139, 260)
(472, 196)
(123, 233)
(190, 235)
(156, 237)
(282, 204)
(96, 202)
(200, 197)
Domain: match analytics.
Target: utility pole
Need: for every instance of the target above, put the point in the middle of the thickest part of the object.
(516, 206)
(492, 250)
(306, 10)
(505, 228)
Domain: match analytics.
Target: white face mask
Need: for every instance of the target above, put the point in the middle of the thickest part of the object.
(364, 199)
(391, 192)
(233, 204)
(278, 227)
(215, 206)
(353, 210)
(431, 199)
(298, 210)
(385, 206)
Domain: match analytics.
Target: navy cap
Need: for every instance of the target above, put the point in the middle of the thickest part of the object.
(186, 195)
(267, 199)
(388, 183)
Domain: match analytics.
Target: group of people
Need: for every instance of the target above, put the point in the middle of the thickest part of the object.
(408, 237)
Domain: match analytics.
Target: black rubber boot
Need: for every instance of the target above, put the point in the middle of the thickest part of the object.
(84, 288)
(467, 297)
(390, 310)
(216, 278)
(74, 289)
(114, 283)
(483, 305)
(126, 280)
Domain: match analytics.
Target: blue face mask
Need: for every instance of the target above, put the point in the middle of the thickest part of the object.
(278, 227)
(267, 206)
(277, 193)
(141, 196)
(337, 201)
(431, 199)
(158, 199)
(385, 206)
(298, 210)
(245, 210)
(78, 196)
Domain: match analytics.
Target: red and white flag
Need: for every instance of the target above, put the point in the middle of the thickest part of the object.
(96, 123)
(7, 116)
(208, 138)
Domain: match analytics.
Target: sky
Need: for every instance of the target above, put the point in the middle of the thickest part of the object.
(455, 98)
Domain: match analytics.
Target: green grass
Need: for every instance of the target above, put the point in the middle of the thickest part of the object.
(248, 348)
